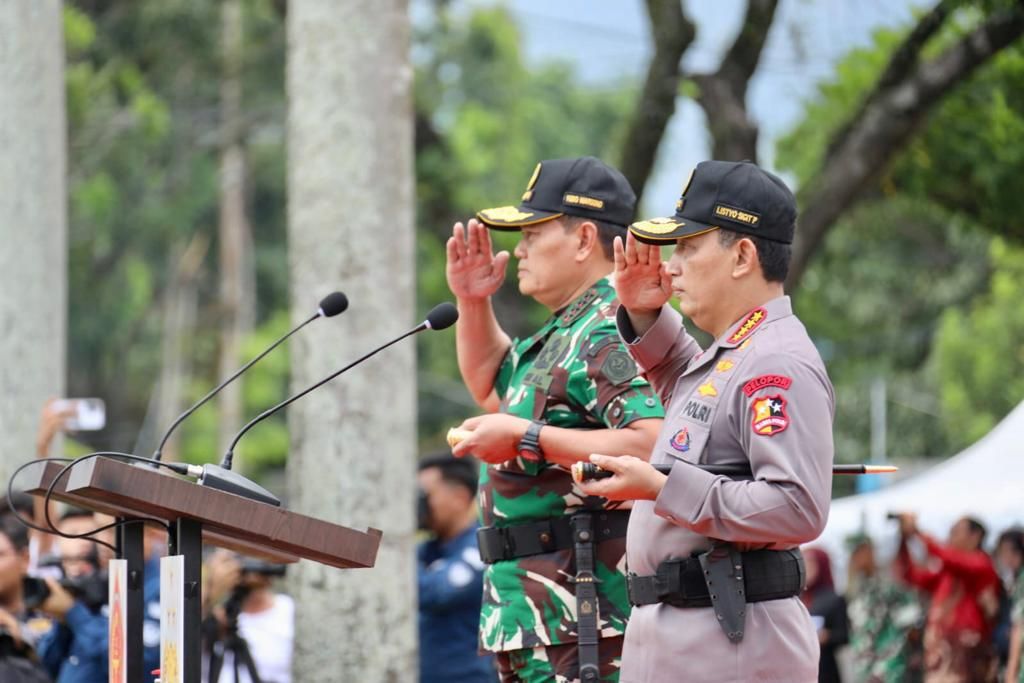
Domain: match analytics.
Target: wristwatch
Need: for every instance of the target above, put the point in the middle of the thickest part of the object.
(529, 447)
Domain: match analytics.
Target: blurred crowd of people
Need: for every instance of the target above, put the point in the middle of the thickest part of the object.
(54, 620)
(942, 611)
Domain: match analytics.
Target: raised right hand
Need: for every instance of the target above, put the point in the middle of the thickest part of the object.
(642, 282)
(473, 270)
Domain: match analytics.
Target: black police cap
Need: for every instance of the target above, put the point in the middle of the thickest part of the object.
(732, 195)
(583, 186)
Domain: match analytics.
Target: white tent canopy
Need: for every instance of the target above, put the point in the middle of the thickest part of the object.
(985, 481)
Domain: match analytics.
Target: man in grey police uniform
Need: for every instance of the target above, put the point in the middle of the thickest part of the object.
(714, 563)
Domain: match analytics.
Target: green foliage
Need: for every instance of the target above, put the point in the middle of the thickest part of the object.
(485, 120)
(880, 296)
(143, 80)
(979, 355)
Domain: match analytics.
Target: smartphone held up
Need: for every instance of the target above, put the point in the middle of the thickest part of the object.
(84, 414)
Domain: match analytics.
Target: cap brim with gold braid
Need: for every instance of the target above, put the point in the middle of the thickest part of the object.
(581, 187)
(514, 217)
(670, 228)
(738, 196)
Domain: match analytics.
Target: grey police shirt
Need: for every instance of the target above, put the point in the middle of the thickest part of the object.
(759, 395)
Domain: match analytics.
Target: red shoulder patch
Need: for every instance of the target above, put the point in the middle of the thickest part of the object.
(770, 416)
(780, 381)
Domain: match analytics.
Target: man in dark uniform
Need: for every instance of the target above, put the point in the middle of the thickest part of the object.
(554, 593)
(715, 566)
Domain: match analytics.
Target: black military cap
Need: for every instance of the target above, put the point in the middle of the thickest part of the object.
(732, 195)
(585, 187)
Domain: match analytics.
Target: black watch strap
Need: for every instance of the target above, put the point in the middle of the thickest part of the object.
(531, 440)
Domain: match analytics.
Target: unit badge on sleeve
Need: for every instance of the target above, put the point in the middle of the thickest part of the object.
(770, 416)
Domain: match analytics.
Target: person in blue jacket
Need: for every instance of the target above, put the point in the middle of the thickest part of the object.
(450, 574)
(74, 650)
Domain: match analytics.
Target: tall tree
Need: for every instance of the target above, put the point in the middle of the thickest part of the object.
(350, 224)
(236, 279)
(33, 260)
(892, 111)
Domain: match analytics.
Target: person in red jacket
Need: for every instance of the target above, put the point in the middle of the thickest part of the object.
(964, 591)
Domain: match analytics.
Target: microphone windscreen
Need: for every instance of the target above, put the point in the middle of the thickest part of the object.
(333, 304)
(442, 316)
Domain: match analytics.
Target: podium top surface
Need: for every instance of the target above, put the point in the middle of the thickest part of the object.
(113, 487)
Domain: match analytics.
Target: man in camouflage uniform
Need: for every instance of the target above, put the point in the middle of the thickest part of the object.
(886, 621)
(554, 606)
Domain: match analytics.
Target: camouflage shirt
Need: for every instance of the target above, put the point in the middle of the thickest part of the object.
(884, 616)
(573, 373)
(1017, 618)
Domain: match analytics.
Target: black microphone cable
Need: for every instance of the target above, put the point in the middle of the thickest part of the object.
(330, 306)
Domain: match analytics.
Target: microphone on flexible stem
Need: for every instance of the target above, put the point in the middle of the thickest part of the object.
(441, 316)
(330, 306)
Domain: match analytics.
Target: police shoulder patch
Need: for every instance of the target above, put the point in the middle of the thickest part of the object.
(618, 367)
(770, 416)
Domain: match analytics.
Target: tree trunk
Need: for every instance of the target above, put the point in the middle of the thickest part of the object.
(350, 226)
(236, 317)
(33, 220)
(672, 33)
(900, 102)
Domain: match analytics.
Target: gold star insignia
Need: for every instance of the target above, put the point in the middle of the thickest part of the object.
(707, 389)
(724, 365)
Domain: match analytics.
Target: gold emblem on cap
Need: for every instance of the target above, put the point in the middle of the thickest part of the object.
(505, 214)
(686, 188)
(658, 226)
(528, 195)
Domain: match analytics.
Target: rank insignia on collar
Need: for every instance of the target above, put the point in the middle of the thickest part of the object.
(681, 440)
(707, 389)
(576, 308)
(749, 324)
(724, 365)
(770, 416)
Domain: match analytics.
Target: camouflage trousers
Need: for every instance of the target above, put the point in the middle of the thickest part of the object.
(557, 663)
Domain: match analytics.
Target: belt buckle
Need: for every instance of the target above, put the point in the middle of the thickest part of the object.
(508, 543)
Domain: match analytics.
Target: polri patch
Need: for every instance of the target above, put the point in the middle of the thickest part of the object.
(618, 367)
(681, 440)
(758, 383)
(770, 416)
(697, 410)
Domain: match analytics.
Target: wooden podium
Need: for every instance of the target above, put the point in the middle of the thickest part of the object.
(194, 514)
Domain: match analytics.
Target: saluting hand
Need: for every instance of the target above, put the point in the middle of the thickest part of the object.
(642, 282)
(473, 270)
(634, 479)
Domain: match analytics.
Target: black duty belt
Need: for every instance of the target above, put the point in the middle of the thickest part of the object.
(545, 536)
(767, 575)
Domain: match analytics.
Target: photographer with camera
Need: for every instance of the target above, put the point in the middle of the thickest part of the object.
(75, 649)
(450, 574)
(20, 628)
(248, 629)
(964, 592)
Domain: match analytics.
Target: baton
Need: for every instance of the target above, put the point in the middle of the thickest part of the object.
(588, 471)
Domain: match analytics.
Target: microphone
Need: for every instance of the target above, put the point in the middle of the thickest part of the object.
(330, 306)
(440, 317)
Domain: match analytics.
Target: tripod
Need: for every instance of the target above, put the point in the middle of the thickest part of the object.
(233, 642)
